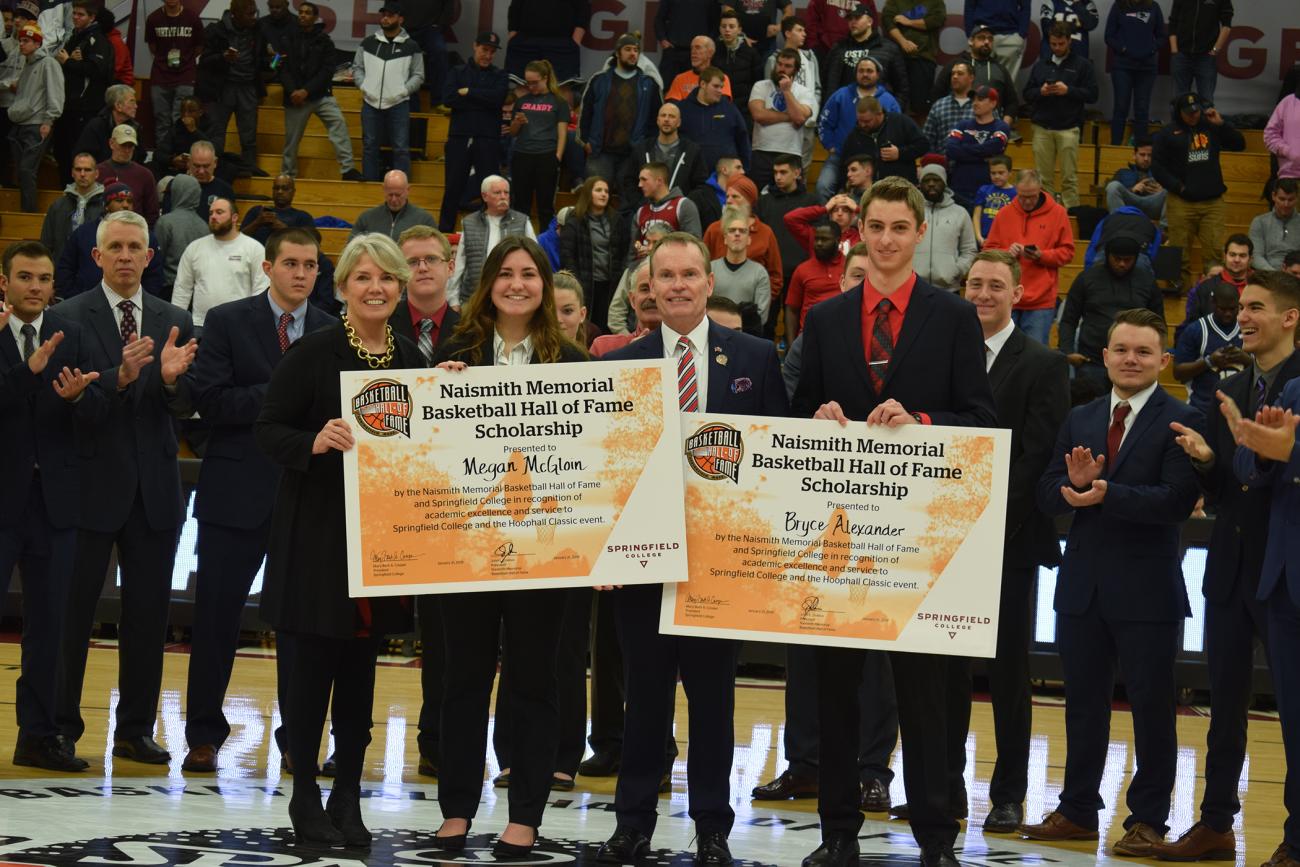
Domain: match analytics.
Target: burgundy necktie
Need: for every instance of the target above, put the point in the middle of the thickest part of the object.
(1115, 435)
(688, 392)
(129, 327)
(282, 330)
(882, 346)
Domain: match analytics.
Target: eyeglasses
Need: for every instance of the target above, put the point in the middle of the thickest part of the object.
(427, 261)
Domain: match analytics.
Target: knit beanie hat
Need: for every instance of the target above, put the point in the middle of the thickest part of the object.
(745, 187)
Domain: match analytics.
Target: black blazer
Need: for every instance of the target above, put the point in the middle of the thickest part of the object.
(937, 367)
(37, 427)
(1031, 387)
(135, 446)
(455, 348)
(749, 383)
(402, 324)
(1126, 551)
(306, 587)
(1240, 532)
(226, 385)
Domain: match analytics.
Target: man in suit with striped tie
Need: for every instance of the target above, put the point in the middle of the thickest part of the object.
(424, 316)
(718, 370)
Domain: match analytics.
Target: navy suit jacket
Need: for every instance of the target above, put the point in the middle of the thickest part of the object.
(134, 449)
(1240, 534)
(937, 367)
(226, 384)
(1282, 554)
(749, 383)
(37, 427)
(1126, 551)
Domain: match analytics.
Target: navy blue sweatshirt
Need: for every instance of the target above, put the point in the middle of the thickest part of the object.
(1060, 112)
(1002, 16)
(479, 111)
(1135, 31)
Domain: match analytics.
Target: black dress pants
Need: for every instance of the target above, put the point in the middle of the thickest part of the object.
(146, 557)
(921, 688)
(1284, 641)
(708, 671)
(433, 655)
(463, 153)
(1231, 628)
(44, 555)
(229, 558)
(345, 666)
(1009, 688)
(526, 625)
(878, 733)
(606, 677)
(533, 177)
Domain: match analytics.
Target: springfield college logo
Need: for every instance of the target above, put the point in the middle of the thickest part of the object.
(715, 451)
(383, 408)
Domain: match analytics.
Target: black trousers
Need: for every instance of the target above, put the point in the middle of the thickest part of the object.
(1009, 688)
(708, 671)
(533, 177)
(1284, 640)
(920, 81)
(229, 558)
(1231, 629)
(345, 666)
(44, 554)
(571, 682)
(433, 658)
(1090, 646)
(146, 557)
(599, 294)
(921, 686)
(526, 623)
(463, 153)
(673, 62)
(606, 677)
(878, 732)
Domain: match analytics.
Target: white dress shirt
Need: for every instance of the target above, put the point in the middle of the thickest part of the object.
(522, 353)
(114, 299)
(1135, 403)
(698, 338)
(994, 344)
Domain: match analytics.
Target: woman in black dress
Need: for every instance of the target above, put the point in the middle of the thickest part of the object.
(510, 320)
(305, 597)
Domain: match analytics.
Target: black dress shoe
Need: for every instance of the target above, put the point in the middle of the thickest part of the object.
(711, 848)
(602, 764)
(143, 749)
(312, 825)
(353, 175)
(938, 856)
(49, 754)
(838, 850)
(453, 842)
(344, 810)
(329, 768)
(625, 846)
(875, 797)
(513, 850)
(1004, 819)
(562, 784)
(788, 785)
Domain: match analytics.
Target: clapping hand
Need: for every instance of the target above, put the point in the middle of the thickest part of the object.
(1271, 434)
(1192, 442)
(71, 383)
(41, 355)
(135, 355)
(176, 359)
(1082, 467)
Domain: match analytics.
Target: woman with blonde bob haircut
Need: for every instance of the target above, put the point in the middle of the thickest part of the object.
(334, 638)
(510, 320)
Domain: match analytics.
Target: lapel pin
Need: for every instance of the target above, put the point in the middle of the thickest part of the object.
(722, 359)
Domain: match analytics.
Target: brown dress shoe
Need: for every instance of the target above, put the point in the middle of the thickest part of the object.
(1281, 857)
(201, 760)
(1057, 827)
(783, 788)
(875, 797)
(1199, 843)
(1139, 841)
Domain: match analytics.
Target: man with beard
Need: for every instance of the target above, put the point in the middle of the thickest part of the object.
(225, 266)
(780, 107)
(1008, 21)
(1135, 186)
(230, 77)
(946, 252)
(260, 221)
(620, 106)
(388, 69)
(1271, 231)
(988, 72)
(862, 42)
(815, 279)
(892, 142)
(841, 112)
(1060, 87)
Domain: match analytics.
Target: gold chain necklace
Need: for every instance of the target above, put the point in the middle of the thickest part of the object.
(375, 361)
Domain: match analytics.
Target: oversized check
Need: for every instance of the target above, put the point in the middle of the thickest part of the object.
(805, 532)
(502, 478)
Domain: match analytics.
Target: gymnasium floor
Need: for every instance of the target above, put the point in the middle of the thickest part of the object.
(125, 813)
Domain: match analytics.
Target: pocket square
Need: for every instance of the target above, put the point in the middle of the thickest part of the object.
(741, 385)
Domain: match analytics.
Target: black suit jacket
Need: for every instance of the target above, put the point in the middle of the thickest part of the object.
(937, 367)
(1031, 388)
(749, 383)
(134, 449)
(306, 587)
(1240, 533)
(402, 324)
(226, 385)
(37, 427)
(1126, 551)
(687, 173)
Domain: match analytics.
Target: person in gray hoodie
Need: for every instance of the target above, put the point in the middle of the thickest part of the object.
(946, 252)
(38, 103)
(82, 202)
(179, 226)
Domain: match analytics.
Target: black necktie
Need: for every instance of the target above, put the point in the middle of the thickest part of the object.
(29, 340)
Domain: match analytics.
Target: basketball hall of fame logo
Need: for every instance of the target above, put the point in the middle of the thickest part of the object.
(383, 408)
(715, 451)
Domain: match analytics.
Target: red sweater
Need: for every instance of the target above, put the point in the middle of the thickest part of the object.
(813, 281)
(828, 21)
(1046, 227)
(801, 223)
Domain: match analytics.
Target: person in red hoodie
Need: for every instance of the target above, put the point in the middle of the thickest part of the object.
(841, 210)
(123, 71)
(1036, 230)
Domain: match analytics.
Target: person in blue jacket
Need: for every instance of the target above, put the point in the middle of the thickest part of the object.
(714, 123)
(840, 116)
(972, 142)
(1134, 31)
(77, 272)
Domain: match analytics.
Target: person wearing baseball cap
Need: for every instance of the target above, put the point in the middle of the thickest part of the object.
(122, 167)
(865, 40)
(973, 141)
(388, 68)
(38, 103)
(475, 92)
(76, 271)
(1009, 22)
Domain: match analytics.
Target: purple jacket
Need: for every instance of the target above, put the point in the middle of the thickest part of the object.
(1282, 136)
